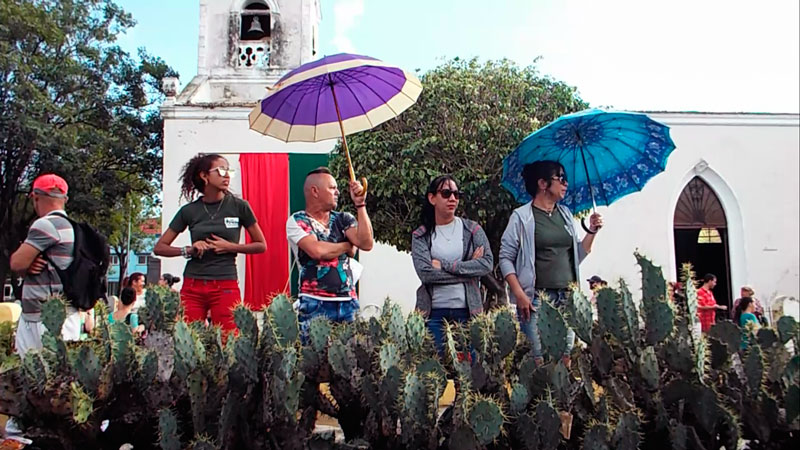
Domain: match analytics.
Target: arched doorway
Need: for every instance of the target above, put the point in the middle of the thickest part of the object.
(701, 236)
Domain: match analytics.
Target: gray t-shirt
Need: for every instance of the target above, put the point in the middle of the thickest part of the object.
(54, 236)
(224, 219)
(447, 243)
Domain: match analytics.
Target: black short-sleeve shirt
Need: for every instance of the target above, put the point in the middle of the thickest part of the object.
(224, 219)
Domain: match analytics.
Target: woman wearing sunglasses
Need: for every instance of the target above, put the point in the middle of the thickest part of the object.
(450, 256)
(215, 221)
(540, 251)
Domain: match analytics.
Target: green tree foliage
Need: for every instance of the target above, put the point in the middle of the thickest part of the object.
(126, 234)
(72, 102)
(469, 116)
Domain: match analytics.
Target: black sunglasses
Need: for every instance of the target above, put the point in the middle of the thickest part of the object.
(446, 193)
(561, 178)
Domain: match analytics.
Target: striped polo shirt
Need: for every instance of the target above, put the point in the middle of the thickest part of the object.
(53, 235)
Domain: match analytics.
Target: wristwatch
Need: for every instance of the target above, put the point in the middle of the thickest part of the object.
(186, 252)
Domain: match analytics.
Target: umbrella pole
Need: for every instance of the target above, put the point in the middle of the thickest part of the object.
(588, 181)
(591, 192)
(344, 139)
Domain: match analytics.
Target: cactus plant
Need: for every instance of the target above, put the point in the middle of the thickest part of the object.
(261, 388)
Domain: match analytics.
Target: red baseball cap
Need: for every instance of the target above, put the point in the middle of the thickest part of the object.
(51, 185)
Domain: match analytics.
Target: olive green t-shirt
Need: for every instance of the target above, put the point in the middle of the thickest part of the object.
(224, 219)
(554, 253)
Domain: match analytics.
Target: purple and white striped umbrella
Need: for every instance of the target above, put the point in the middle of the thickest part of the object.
(333, 97)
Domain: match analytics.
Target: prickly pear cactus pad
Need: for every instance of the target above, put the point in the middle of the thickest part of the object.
(168, 430)
(548, 425)
(754, 368)
(653, 285)
(284, 320)
(519, 398)
(659, 320)
(54, 313)
(505, 331)
(552, 330)
(596, 438)
(486, 419)
(626, 434)
(690, 291)
(610, 315)
(81, 403)
(788, 328)
(629, 313)
(245, 321)
(415, 331)
(648, 368)
(389, 356)
(727, 333)
(579, 314)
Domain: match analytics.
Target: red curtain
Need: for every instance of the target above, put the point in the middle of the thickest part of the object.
(265, 184)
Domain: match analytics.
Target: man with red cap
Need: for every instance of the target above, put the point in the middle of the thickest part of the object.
(50, 234)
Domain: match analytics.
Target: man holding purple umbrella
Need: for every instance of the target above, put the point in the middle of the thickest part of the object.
(323, 240)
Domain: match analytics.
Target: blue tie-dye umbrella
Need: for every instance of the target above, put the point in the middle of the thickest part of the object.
(606, 154)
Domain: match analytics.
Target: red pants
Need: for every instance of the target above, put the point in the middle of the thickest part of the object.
(218, 296)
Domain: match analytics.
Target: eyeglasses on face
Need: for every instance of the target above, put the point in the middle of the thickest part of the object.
(561, 178)
(224, 171)
(446, 193)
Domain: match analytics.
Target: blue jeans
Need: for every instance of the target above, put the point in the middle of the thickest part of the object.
(558, 297)
(436, 320)
(335, 311)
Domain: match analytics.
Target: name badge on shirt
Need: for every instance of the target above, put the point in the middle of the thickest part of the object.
(231, 222)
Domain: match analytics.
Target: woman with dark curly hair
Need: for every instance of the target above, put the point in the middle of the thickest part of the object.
(215, 221)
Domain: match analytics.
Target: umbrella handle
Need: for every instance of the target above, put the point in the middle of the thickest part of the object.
(585, 228)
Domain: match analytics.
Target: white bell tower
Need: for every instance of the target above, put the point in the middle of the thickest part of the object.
(246, 45)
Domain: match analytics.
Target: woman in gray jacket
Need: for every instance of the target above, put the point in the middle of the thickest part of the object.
(540, 251)
(450, 256)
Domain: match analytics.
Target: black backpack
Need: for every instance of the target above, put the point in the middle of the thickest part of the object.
(84, 280)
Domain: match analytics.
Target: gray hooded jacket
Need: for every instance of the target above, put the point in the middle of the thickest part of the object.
(467, 270)
(518, 247)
